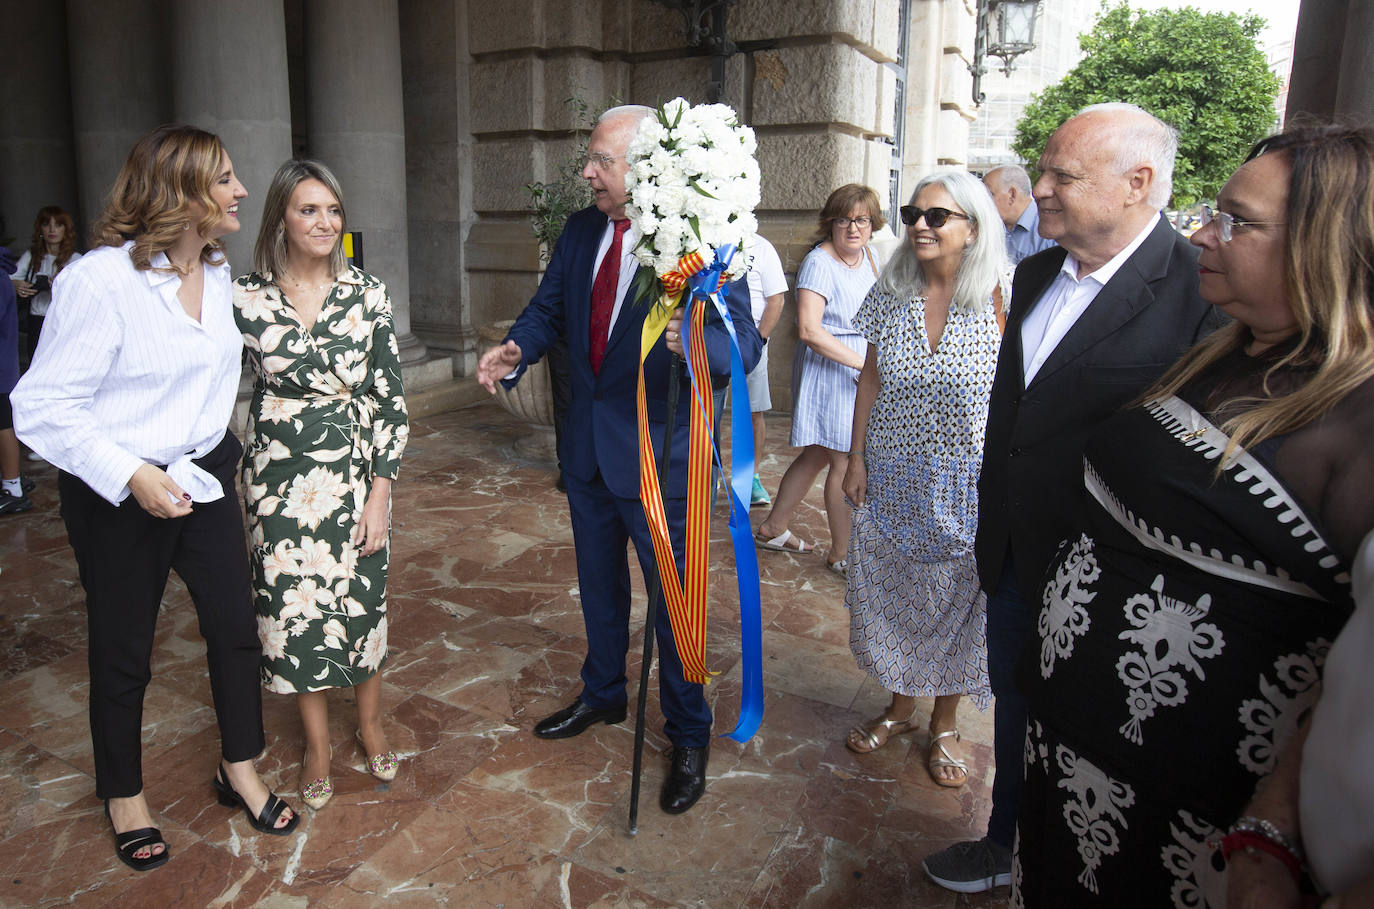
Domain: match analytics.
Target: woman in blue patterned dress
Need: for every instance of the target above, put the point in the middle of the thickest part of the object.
(916, 609)
(831, 284)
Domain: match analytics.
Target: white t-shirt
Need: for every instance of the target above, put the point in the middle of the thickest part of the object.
(765, 277)
(38, 303)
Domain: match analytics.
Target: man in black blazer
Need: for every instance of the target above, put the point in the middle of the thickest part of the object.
(1091, 324)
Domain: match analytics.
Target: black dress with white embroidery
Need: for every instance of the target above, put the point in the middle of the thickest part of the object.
(1180, 638)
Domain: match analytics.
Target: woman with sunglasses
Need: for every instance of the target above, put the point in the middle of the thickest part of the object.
(917, 612)
(1184, 628)
(831, 283)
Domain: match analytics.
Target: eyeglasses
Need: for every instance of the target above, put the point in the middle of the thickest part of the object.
(600, 161)
(935, 217)
(1227, 223)
(861, 223)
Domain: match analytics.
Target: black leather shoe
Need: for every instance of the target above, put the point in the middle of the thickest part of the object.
(575, 718)
(686, 780)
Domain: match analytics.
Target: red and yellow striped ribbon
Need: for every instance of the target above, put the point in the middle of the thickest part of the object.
(685, 599)
(688, 265)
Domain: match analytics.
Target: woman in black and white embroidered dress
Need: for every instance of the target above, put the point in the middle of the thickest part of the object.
(1181, 635)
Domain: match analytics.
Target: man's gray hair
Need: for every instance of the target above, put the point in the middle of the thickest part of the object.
(1144, 139)
(639, 111)
(1011, 175)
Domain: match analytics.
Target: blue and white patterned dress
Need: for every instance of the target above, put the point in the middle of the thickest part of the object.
(917, 614)
(823, 390)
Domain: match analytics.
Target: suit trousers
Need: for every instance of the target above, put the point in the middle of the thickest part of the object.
(603, 523)
(124, 556)
(1009, 622)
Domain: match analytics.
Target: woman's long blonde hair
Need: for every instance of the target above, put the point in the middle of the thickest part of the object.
(1329, 276)
(150, 202)
(270, 250)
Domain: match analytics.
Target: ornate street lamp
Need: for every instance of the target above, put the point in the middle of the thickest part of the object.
(1005, 29)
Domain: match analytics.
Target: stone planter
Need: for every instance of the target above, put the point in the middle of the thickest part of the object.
(531, 400)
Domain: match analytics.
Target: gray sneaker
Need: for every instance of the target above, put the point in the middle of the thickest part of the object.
(970, 867)
(14, 504)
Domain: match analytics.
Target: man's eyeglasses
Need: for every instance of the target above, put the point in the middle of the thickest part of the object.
(935, 217)
(600, 161)
(861, 223)
(1227, 223)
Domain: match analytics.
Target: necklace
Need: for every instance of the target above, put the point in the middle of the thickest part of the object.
(846, 261)
(183, 272)
(300, 285)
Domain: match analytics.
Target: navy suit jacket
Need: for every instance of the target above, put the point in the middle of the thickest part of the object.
(1030, 492)
(601, 431)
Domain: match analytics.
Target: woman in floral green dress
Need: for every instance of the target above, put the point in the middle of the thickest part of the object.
(325, 434)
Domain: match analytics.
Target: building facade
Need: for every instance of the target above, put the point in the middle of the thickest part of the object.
(436, 114)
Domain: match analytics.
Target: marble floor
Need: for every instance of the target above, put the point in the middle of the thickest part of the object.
(486, 638)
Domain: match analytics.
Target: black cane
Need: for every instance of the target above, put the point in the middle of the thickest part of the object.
(651, 616)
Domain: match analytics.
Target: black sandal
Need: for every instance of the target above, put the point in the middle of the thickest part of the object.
(266, 820)
(128, 843)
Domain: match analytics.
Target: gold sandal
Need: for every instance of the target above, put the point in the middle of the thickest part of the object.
(876, 735)
(945, 759)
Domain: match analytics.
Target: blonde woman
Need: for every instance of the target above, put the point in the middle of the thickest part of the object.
(326, 429)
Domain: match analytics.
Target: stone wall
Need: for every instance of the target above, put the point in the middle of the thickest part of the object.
(814, 80)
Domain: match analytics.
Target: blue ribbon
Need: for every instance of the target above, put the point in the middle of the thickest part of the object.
(703, 287)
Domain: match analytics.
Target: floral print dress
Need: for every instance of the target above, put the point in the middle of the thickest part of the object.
(327, 416)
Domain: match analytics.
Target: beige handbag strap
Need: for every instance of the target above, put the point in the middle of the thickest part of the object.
(999, 309)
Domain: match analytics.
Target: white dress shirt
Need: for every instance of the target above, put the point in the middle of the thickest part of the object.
(1064, 301)
(124, 377)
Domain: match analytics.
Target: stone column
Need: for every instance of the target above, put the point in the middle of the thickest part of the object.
(229, 76)
(36, 161)
(110, 114)
(356, 127)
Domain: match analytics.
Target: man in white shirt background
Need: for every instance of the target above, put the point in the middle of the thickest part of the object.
(767, 284)
(1093, 322)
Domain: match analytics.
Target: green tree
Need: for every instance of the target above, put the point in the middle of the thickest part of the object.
(1203, 73)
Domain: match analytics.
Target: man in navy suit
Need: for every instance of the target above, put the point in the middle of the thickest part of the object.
(584, 297)
(1093, 322)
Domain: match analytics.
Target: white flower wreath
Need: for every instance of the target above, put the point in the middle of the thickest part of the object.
(693, 185)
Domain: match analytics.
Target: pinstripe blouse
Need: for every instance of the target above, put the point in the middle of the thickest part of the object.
(123, 376)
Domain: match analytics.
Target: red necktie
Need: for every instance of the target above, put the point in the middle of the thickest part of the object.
(603, 297)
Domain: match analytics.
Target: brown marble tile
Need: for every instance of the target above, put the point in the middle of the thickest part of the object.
(487, 638)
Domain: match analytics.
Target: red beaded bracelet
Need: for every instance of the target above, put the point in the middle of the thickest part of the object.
(1244, 839)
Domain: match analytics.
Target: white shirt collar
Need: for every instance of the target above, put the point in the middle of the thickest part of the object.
(1104, 274)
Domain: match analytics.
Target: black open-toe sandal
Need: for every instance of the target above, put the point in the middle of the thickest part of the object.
(266, 820)
(128, 843)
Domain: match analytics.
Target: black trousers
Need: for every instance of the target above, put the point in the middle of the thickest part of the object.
(124, 556)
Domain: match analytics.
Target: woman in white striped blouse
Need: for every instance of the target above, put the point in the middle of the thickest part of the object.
(129, 394)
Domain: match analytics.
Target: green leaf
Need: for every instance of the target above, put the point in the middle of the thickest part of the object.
(697, 186)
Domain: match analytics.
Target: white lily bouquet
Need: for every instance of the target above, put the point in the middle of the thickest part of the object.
(693, 185)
